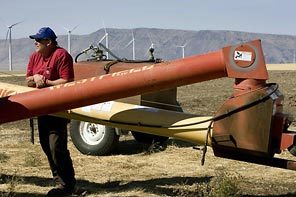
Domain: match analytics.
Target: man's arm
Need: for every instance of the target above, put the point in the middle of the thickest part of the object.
(42, 82)
(55, 82)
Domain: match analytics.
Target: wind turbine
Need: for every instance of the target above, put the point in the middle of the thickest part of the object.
(106, 35)
(183, 49)
(151, 46)
(69, 36)
(132, 41)
(8, 34)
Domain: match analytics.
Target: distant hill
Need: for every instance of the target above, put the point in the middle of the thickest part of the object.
(277, 48)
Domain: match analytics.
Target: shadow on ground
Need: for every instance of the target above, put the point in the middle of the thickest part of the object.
(130, 146)
(157, 186)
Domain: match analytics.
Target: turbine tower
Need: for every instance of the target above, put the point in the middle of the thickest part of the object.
(106, 35)
(8, 34)
(132, 41)
(69, 37)
(183, 49)
(294, 57)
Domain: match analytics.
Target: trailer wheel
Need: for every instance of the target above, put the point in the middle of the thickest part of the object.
(93, 139)
(148, 138)
(292, 150)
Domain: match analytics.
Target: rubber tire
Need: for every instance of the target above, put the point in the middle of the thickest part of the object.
(292, 150)
(148, 138)
(106, 145)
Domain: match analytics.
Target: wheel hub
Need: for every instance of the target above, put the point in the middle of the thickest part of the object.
(92, 133)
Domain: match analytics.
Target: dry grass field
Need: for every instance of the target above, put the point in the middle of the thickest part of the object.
(134, 171)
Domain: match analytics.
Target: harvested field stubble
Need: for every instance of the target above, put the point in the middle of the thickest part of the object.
(131, 172)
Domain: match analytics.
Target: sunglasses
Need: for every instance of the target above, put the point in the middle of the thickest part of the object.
(40, 40)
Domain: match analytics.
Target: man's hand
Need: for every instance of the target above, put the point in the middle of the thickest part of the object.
(39, 80)
(30, 81)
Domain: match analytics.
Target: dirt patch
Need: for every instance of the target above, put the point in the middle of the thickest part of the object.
(132, 172)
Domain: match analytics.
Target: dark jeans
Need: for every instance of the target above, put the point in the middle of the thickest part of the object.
(53, 140)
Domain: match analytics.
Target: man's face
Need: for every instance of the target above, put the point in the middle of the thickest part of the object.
(42, 45)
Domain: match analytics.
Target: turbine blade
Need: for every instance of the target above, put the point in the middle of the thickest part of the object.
(102, 38)
(104, 26)
(5, 44)
(7, 34)
(74, 27)
(128, 44)
(147, 52)
(66, 29)
(150, 38)
(16, 23)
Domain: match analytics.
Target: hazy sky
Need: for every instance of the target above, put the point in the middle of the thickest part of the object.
(262, 16)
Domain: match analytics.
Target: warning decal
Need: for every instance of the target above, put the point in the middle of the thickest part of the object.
(243, 55)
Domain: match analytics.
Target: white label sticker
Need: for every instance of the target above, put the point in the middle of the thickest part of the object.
(106, 107)
(243, 56)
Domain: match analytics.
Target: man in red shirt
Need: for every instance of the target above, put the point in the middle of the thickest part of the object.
(52, 65)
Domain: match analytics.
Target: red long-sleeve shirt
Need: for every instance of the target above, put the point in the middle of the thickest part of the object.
(58, 65)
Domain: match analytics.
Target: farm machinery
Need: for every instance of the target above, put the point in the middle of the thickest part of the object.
(250, 126)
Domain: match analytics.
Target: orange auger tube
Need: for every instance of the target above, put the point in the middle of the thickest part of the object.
(247, 64)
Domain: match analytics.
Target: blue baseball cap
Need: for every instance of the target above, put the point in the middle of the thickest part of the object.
(44, 33)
